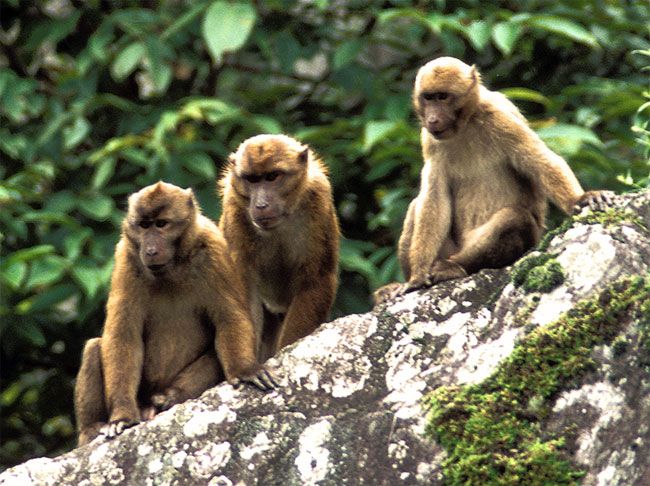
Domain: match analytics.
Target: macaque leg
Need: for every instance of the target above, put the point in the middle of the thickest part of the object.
(270, 334)
(89, 402)
(504, 238)
(405, 238)
(193, 380)
(307, 311)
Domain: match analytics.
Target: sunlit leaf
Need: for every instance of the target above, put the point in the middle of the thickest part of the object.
(13, 273)
(525, 94)
(76, 133)
(97, 207)
(568, 139)
(201, 164)
(375, 131)
(505, 36)
(563, 27)
(226, 26)
(127, 60)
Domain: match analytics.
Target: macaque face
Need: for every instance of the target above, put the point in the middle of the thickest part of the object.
(157, 217)
(267, 176)
(444, 89)
(439, 113)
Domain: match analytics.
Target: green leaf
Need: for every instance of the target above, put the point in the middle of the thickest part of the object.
(505, 36)
(46, 271)
(31, 253)
(526, 94)
(226, 26)
(76, 133)
(478, 33)
(104, 170)
(568, 139)
(90, 279)
(45, 300)
(13, 273)
(127, 60)
(200, 164)
(375, 131)
(346, 53)
(98, 207)
(31, 333)
(564, 27)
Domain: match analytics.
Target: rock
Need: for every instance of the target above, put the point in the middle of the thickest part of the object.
(539, 371)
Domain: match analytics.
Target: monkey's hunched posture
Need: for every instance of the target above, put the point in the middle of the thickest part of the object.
(280, 223)
(176, 319)
(485, 181)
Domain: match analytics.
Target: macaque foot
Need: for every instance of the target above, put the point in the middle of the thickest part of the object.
(595, 200)
(115, 428)
(386, 293)
(258, 376)
(166, 400)
(446, 270)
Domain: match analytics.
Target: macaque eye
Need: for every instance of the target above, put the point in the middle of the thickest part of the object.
(161, 223)
(435, 96)
(271, 176)
(145, 224)
(253, 179)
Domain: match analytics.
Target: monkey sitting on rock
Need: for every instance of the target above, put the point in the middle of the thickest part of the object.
(484, 185)
(177, 321)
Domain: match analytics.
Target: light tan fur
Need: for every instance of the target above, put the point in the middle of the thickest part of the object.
(283, 234)
(176, 319)
(485, 181)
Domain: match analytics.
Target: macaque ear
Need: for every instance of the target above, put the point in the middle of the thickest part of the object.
(232, 159)
(191, 200)
(303, 157)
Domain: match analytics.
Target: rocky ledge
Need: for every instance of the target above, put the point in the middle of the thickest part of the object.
(537, 373)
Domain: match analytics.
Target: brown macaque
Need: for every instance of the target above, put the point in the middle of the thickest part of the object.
(281, 226)
(177, 321)
(484, 185)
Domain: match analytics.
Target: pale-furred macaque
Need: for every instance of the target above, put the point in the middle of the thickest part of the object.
(177, 321)
(485, 183)
(281, 226)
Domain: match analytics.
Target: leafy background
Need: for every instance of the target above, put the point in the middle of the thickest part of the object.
(98, 99)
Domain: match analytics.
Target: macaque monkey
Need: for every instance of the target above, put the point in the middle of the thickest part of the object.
(176, 324)
(484, 185)
(281, 226)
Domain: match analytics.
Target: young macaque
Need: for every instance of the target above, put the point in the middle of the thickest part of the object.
(280, 223)
(484, 185)
(177, 321)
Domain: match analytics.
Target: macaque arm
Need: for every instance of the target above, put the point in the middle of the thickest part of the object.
(432, 222)
(122, 344)
(309, 307)
(532, 157)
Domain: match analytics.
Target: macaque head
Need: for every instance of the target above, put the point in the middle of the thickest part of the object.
(445, 95)
(156, 222)
(268, 175)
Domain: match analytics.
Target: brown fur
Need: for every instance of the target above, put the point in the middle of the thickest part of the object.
(485, 181)
(283, 234)
(175, 299)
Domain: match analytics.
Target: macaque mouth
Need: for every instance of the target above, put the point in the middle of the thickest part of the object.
(267, 222)
(156, 268)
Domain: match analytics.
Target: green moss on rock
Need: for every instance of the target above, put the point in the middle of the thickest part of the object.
(538, 273)
(608, 218)
(492, 430)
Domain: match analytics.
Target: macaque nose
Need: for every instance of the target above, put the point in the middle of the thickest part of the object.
(151, 251)
(261, 205)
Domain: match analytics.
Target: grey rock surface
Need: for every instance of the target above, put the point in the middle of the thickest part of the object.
(350, 408)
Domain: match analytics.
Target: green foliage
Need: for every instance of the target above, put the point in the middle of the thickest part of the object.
(98, 99)
(538, 273)
(493, 431)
